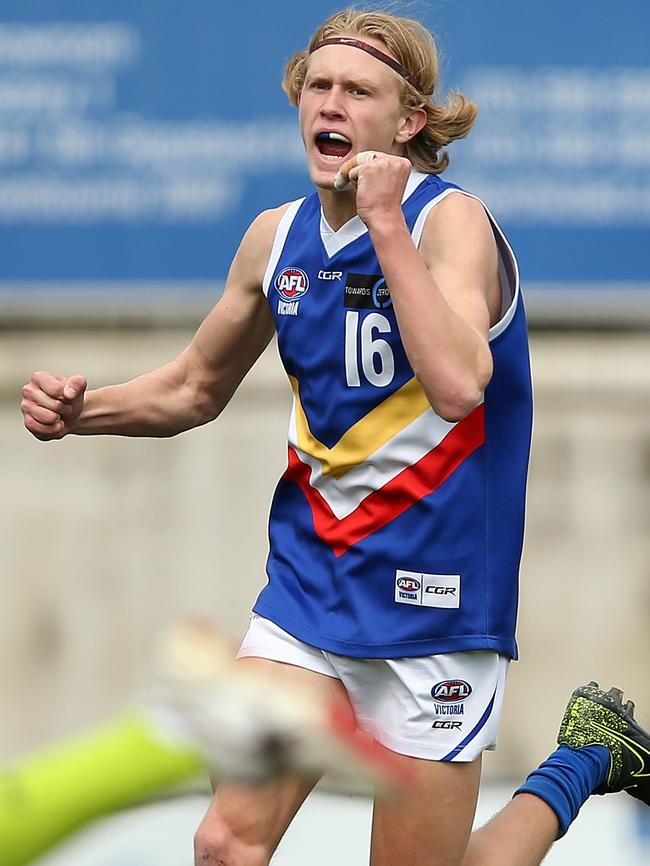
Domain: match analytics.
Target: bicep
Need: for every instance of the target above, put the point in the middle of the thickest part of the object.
(233, 334)
(459, 249)
(240, 326)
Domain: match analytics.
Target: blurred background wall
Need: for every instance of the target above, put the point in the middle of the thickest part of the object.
(137, 141)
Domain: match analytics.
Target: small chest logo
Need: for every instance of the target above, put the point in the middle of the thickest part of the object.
(291, 285)
(366, 292)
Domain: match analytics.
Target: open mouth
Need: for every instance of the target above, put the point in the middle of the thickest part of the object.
(333, 145)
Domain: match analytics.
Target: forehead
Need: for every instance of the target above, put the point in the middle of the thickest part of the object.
(346, 62)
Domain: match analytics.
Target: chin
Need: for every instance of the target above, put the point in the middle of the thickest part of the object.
(321, 178)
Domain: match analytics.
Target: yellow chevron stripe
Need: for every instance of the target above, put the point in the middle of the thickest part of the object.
(367, 435)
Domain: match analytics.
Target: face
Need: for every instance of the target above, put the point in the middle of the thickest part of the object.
(350, 102)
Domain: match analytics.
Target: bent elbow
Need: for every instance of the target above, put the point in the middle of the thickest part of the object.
(196, 405)
(462, 398)
(455, 407)
(207, 406)
(460, 390)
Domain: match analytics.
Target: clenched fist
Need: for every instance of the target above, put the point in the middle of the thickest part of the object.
(380, 180)
(51, 404)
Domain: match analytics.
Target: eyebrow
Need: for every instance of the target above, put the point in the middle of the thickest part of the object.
(348, 82)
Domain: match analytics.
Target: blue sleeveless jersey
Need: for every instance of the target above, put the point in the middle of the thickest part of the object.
(393, 532)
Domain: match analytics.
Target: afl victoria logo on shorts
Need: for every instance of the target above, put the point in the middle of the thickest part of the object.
(449, 697)
(451, 691)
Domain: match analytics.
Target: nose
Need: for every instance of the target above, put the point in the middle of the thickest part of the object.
(332, 104)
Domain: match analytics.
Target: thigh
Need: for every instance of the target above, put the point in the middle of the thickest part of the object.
(438, 714)
(430, 823)
(244, 823)
(440, 708)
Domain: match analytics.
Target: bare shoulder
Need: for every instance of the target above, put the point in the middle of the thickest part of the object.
(261, 232)
(458, 236)
(255, 248)
(459, 248)
(458, 218)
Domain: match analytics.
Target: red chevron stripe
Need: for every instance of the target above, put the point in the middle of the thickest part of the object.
(391, 500)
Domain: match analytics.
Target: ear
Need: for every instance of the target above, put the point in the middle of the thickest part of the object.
(410, 124)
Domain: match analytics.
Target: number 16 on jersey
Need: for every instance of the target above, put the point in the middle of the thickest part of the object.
(361, 341)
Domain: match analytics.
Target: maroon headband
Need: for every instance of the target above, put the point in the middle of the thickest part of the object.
(370, 49)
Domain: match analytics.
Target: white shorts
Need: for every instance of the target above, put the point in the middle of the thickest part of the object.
(440, 708)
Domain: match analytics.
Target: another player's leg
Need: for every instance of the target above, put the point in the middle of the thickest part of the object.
(597, 718)
(601, 750)
(50, 794)
(520, 835)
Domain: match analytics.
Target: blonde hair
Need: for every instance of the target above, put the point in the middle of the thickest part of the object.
(414, 47)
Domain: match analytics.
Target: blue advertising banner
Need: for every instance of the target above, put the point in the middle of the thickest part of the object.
(139, 139)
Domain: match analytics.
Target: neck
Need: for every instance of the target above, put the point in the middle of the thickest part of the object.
(338, 206)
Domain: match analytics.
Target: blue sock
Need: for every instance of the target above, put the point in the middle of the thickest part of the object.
(566, 779)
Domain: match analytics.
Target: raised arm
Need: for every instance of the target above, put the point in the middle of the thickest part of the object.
(445, 294)
(189, 391)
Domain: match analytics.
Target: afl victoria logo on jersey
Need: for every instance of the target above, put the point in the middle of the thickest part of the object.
(291, 284)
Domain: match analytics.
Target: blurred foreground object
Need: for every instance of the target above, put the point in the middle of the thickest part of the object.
(204, 711)
(50, 794)
(250, 727)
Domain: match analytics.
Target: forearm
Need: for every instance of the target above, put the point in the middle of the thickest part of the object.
(157, 404)
(450, 358)
(185, 393)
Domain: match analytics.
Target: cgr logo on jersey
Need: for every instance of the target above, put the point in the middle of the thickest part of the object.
(366, 292)
(291, 285)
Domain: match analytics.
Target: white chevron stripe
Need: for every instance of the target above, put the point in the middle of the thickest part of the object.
(405, 449)
(335, 241)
